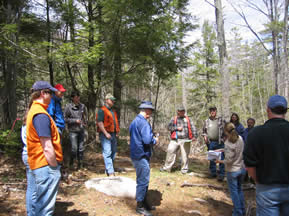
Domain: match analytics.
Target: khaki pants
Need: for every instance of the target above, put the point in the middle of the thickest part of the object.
(174, 145)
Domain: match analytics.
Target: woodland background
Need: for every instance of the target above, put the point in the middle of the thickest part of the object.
(137, 50)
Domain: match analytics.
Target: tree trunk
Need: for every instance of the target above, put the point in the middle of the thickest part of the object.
(90, 68)
(276, 56)
(184, 90)
(225, 107)
(284, 57)
(49, 46)
(10, 68)
(156, 103)
(99, 66)
(117, 85)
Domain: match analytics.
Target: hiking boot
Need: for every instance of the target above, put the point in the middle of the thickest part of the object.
(71, 163)
(110, 174)
(140, 209)
(212, 176)
(220, 178)
(147, 205)
(184, 172)
(80, 165)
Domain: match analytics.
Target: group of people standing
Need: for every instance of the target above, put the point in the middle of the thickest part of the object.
(43, 125)
(263, 150)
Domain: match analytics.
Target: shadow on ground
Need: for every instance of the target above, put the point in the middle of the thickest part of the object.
(61, 208)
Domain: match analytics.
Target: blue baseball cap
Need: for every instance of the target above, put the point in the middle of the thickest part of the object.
(146, 105)
(277, 101)
(39, 85)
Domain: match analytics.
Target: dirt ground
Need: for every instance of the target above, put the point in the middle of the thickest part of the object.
(165, 192)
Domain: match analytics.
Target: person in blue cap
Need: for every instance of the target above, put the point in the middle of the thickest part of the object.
(266, 156)
(44, 151)
(141, 140)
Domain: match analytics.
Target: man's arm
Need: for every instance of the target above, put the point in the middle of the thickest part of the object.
(102, 129)
(99, 122)
(48, 151)
(252, 173)
(172, 127)
(147, 135)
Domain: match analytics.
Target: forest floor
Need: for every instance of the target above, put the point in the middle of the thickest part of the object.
(165, 189)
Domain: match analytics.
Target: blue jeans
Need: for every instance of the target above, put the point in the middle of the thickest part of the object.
(272, 200)
(142, 168)
(109, 148)
(234, 180)
(31, 188)
(47, 181)
(213, 169)
(77, 143)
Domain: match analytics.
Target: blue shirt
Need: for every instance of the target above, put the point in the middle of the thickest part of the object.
(141, 138)
(42, 125)
(55, 111)
(240, 130)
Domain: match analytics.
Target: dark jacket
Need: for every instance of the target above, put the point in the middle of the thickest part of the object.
(74, 112)
(267, 149)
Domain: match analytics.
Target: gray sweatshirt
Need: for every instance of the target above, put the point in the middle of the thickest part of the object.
(234, 155)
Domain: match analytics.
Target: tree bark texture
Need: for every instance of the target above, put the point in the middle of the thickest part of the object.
(49, 42)
(225, 107)
(284, 56)
(90, 67)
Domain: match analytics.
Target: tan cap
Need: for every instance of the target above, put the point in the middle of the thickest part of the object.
(110, 96)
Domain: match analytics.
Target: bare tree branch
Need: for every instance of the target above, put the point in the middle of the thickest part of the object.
(17, 46)
(210, 3)
(243, 16)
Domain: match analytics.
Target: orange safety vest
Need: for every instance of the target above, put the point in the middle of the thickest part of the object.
(174, 134)
(36, 157)
(108, 121)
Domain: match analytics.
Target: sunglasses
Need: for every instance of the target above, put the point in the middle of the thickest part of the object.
(48, 92)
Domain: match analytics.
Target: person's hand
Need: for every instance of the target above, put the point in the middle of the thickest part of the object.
(108, 136)
(219, 161)
(180, 128)
(78, 121)
(157, 140)
(219, 150)
(206, 140)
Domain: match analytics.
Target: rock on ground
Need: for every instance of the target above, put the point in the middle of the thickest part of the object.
(113, 186)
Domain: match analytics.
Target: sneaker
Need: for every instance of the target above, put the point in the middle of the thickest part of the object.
(140, 209)
(163, 170)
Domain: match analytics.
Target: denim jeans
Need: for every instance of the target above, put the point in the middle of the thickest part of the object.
(109, 148)
(31, 188)
(234, 180)
(77, 143)
(142, 167)
(213, 169)
(47, 181)
(272, 200)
